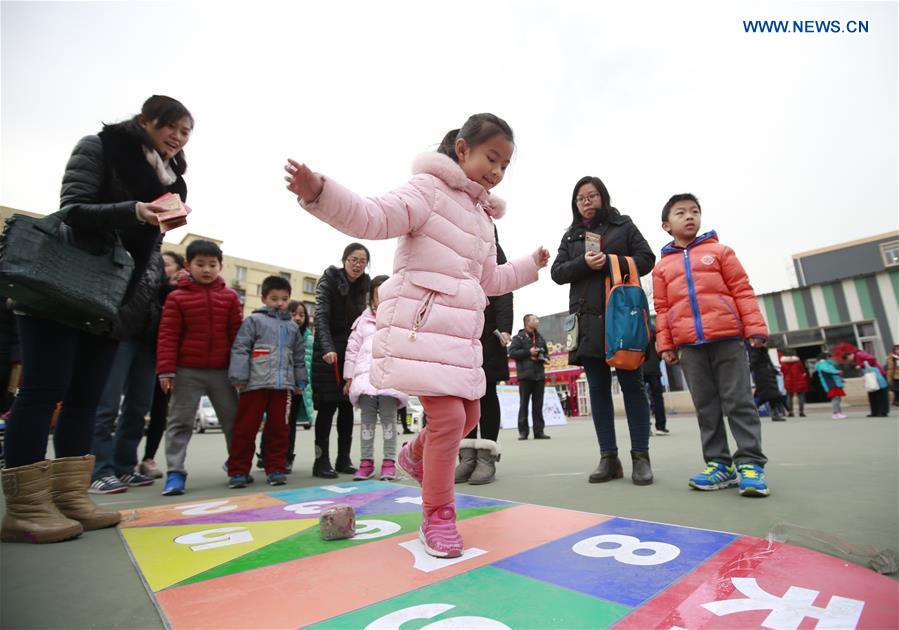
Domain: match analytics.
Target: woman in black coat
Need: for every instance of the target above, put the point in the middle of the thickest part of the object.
(585, 271)
(340, 297)
(107, 189)
(764, 375)
(478, 456)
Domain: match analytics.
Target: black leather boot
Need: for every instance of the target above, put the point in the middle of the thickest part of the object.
(642, 473)
(344, 464)
(609, 468)
(321, 467)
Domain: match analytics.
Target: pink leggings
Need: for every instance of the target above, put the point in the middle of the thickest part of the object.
(449, 420)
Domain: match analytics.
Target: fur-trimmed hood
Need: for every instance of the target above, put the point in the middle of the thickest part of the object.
(442, 166)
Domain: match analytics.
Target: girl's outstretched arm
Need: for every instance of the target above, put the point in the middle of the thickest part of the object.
(393, 214)
(512, 275)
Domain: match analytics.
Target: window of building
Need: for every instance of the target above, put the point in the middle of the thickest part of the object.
(308, 285)
(801, 338)
(840, 334)
(869, 339)
(285, 275)
(240, 275)
(890, 253)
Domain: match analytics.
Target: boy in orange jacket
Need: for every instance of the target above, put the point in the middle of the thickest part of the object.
(705, 310)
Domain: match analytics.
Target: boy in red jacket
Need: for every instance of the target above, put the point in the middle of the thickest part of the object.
(199, 323)
(705, 309)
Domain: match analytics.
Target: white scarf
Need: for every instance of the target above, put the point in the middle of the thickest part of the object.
(163, 169)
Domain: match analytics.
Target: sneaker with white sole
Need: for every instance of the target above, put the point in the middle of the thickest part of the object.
(149, 468)
(135, 480)
(413, 468)
(107, 485)
(438, 533)
(752, 481)
(716, 476)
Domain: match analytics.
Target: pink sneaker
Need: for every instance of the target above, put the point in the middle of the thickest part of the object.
(388, 470)
(366, 470)
(438, 533)
(839, 416)
(415, 469)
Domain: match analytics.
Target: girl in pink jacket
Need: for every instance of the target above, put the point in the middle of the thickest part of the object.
(370, 400)
(431, 311)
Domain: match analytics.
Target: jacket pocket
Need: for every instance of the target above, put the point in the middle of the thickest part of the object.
(733, 312)
(261, 364)
(434, 281)
(434, 285)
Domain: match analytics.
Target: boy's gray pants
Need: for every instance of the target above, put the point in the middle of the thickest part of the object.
(190, 385)
(370, 407)
(718, 376)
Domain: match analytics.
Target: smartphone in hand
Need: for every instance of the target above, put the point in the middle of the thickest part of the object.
(593, 242)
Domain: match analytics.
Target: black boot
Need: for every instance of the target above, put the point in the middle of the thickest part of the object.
(344, 464)
(609, 468)
(642, 472)
(321, 467)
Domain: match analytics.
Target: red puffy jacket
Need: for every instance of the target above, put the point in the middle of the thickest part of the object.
(795, 377)
(702, 294)
(199, 324)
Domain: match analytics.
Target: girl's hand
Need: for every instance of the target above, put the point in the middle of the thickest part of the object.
(147, 212)
(330, 357)
(507, 338)
(595, 260)
(670, 357)
(166, 383)
(346, 387)
(303, 182)
(541, 257)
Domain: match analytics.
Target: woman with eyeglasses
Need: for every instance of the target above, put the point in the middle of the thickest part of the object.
(340, 297)
(582, 262)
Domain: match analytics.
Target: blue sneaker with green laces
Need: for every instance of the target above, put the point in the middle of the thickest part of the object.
(752, 481)
(716, 476)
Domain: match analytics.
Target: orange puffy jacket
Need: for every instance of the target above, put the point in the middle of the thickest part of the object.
(702, 294)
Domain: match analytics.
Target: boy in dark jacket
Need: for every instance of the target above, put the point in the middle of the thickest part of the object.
(199, 323)
(268, 364)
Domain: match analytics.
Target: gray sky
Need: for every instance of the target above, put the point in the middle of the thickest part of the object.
(789, 140)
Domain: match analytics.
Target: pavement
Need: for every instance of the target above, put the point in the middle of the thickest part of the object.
(838, 477)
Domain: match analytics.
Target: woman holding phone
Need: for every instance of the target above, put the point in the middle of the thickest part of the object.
(597, 230)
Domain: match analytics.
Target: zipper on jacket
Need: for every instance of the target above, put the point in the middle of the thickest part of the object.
(280, 350)
(211, 331)
(422, 312)
(694, 303)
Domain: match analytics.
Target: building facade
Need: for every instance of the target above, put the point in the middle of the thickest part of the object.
(848, 293)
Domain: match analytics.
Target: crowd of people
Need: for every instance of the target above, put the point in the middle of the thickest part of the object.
(439, 328)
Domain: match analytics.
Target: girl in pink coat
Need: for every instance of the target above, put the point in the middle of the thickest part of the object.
(370, 400)
(431, 311)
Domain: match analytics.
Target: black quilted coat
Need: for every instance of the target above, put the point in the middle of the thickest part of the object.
(338, 303)
(105, 176)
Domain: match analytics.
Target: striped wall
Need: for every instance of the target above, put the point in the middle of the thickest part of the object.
(872, 297)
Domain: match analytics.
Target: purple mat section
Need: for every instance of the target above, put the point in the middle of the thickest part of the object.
(286, 512)
(408, 499)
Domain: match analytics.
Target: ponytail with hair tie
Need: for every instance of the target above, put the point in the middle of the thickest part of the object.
(448, 144)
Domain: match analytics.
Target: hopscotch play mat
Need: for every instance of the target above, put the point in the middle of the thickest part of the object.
(258, 561)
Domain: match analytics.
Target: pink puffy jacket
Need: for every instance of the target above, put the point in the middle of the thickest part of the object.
(432, 308)
(357, 364)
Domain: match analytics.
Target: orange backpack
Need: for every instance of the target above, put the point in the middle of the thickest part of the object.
(627, 315)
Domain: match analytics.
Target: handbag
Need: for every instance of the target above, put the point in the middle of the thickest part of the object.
(872, 382)
(45, 273)
(571, 327)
